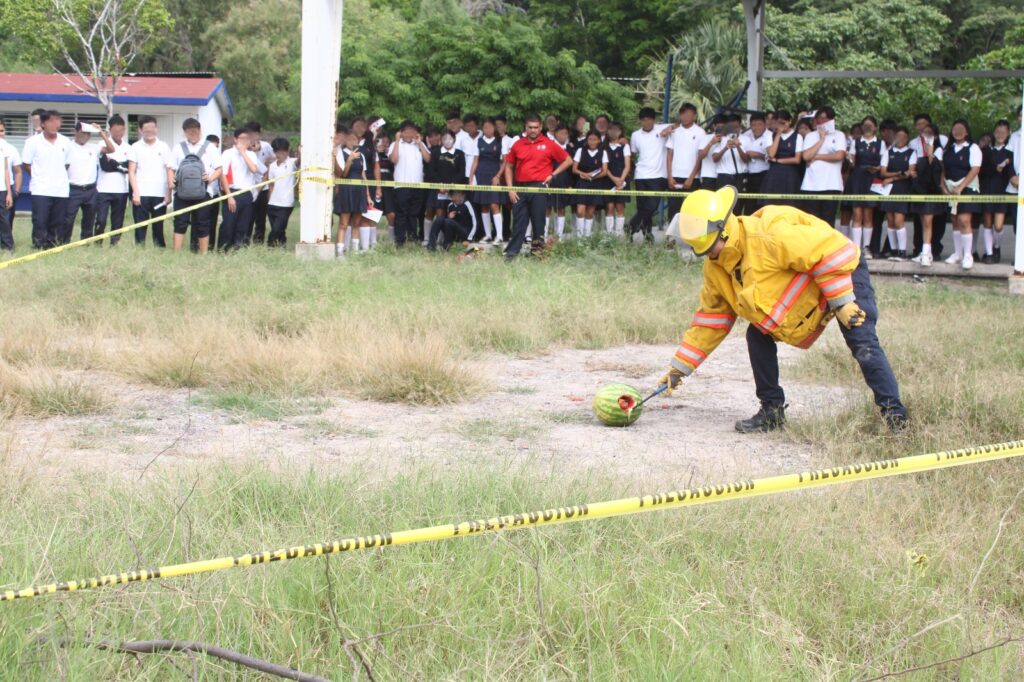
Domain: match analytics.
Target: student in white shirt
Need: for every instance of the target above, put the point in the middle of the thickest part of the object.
(684, 151)
(282, 192)
(468, 140)
(961, 164)
(240, 168)
(112, 183)
(198, 218)
(869, 156)
(83, 170)
(9, 151)
(590, 164)
(648, 143)
(266, 156)
(151, 177)
(45, 159)
(936, 219)
(708, 168)
(755, 143)
(408, 154)
(620, 165)
(6, 234)
(729, 156)
(823, 151)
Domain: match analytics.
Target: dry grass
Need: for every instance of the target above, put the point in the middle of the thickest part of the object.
(44, 392)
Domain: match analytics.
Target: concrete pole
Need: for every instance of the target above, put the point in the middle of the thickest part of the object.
(321, 62)
(1018, 252)
(753, 13)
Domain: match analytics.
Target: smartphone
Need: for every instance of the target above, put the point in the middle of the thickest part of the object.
(377, 125)
(733, 136)
(88, 128)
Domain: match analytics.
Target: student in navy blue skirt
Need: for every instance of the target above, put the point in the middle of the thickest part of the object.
(869, 157)
(928, 181)
(899, 173)
(557, 203)
(620, 164)
(996, 172)
(351, 200)
(961, 164)
(486, 166)
(590, 164)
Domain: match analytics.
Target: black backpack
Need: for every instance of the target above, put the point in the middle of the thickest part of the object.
(188, 181)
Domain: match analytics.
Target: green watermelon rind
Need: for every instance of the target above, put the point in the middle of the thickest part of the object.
(606, 405)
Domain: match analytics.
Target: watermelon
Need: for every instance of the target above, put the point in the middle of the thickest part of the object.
(618, 405)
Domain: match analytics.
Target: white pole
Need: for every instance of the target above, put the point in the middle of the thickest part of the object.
(321, 60)
(754, 11)
(1018, 252)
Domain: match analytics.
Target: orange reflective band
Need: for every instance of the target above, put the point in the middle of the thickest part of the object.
(837, 285)
(691, 355)
(835, 261)
(714, 320)
(785, 302)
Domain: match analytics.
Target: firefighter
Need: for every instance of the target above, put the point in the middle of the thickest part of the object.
(788, 274)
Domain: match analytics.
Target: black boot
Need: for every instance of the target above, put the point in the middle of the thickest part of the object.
(768, 418)
(896, 422)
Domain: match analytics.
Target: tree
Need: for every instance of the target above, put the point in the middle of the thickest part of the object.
(97, 40)
(709, 67)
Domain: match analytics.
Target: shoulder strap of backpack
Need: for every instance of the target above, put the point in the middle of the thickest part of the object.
(202, 149)
(184, 148)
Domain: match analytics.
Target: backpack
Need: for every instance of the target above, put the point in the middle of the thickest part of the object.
(188, 181)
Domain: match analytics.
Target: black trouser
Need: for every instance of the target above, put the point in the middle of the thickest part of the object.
(114, 204)
(236, 228)
(646, 207)
(198, 219)
(259, 216)
(212, 217)
(146, 210)
(48, 215)
(879, 244)
(449, 231)
(674, 202)
(862, 342)
(279, 216)
(737, 180)
(753, 186)
(408, 211)
(822, 208)
(6, 224)
(79, 197)
(530, 210)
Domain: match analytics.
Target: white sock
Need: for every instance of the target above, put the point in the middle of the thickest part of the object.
(487, 224)
(845, 231)
(868, 231)
(559, 226)
(926, 248)
(364, 238)
(857, 235)
(967, 243)
(428, 223)
(987, 233)
(373, 237)
(901, 239)
(590, 226)
(348, 239)
(499, 227)
(892, 239)
(609, 221)
(620, 224)
(958, 250)
(997, 239)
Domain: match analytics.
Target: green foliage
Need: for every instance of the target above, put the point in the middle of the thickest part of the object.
(709, 67)
(263, 75)
(1002, 95)
(494, 64)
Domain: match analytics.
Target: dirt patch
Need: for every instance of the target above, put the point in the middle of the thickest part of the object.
(536, 416)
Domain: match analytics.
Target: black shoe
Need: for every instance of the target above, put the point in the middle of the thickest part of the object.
(997, 255)
(987, 259)
(768, 418)
(896, 422)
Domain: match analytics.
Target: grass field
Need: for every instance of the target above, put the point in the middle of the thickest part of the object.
(802, 586)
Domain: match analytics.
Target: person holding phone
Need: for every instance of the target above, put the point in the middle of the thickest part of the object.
(151, 177)
(824, 150)
(407, 154)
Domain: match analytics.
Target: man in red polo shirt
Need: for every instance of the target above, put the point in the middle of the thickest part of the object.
(531, 163)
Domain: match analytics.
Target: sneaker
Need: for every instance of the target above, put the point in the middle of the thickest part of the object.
(924, 260)
(968, 262)
(768, 418)
(868, 255)
(897, 255)
(953, 259)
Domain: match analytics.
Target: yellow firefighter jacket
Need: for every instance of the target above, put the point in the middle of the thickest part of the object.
(782, 270)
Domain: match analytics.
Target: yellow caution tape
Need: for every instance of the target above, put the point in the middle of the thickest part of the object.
(838, 196)
(127, 228)
(742, 488)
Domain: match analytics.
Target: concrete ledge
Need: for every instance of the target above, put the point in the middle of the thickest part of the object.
(321, 251)
(1017, 285)
(879, 266)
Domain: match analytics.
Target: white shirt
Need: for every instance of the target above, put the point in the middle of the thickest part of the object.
(469, 147)
(686, 144)
(9, 152)
(506, 144)
(210, 158)
(49, 165)
(1015, 146)
(973, 157)
(592, 153)
(115, 183)
(731, 163)
(409, 167)
(282, 193)
(83, 163)
(266, 157)
(760, 145)
(824, 176)
(917, 145)
(151, 164)
(912, 161)
(236, 172)
(650, 147)
(883, 151)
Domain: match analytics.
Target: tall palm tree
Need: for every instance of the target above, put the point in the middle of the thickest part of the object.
(709, 68)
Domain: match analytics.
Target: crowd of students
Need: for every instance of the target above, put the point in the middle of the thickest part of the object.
(98, 173)
(805, 157)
